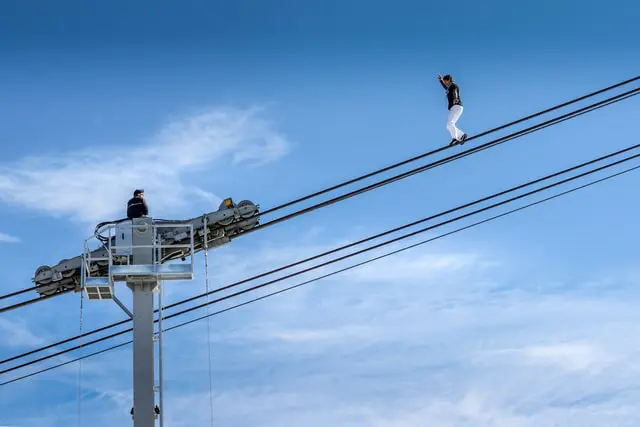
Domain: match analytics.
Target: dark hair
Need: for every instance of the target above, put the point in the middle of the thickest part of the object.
(448, 77)
(139, 191)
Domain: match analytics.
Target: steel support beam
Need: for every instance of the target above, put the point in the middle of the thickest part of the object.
(143, 342)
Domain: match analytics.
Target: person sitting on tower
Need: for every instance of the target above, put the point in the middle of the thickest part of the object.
(137, 206)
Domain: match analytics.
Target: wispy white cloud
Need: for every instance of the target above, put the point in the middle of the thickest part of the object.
(7, 238)
(439, 344)
(418, 266)
(16, 333)
(307, 335)
(570, 356)
(103, 178)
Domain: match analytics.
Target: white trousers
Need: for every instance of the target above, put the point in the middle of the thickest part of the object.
(454, 115)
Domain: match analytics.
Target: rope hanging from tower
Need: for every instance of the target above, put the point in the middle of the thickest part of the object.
(80, 360)
(206, 284)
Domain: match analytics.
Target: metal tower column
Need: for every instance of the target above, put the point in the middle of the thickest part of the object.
(143, 351)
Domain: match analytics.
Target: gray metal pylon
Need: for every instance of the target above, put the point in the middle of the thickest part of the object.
(143, 329)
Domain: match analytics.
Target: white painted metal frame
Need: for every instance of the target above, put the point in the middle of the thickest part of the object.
(100, 287)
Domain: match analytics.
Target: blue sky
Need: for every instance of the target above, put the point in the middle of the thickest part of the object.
(524, 321)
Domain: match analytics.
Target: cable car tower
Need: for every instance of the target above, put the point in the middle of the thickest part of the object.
(134, 256)
(137, 252)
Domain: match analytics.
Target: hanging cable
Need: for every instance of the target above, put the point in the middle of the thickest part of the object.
(80, 361)
(544, 200)
(446, 160)
(34, 300)
(338, 249)
(582, 111)
(66, 341)
(370, 260)
(338, 259)
(160, 349)
(515, 135)
(206, 285)
(430, 153)
(411, 224)
(397, 239)
(368, 175)
(16, 293)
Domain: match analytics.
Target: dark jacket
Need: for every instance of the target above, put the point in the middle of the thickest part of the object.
(453, 94)
(137, 207)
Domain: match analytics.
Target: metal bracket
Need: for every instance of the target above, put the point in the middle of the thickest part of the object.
(122, 306)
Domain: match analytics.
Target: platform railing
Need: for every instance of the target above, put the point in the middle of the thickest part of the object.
(99, 285)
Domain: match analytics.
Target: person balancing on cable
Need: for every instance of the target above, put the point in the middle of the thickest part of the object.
(455, 108)
(137, 206)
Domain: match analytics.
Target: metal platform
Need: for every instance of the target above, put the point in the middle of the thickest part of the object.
(123, 273)
(98, 288)
(120, 251)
